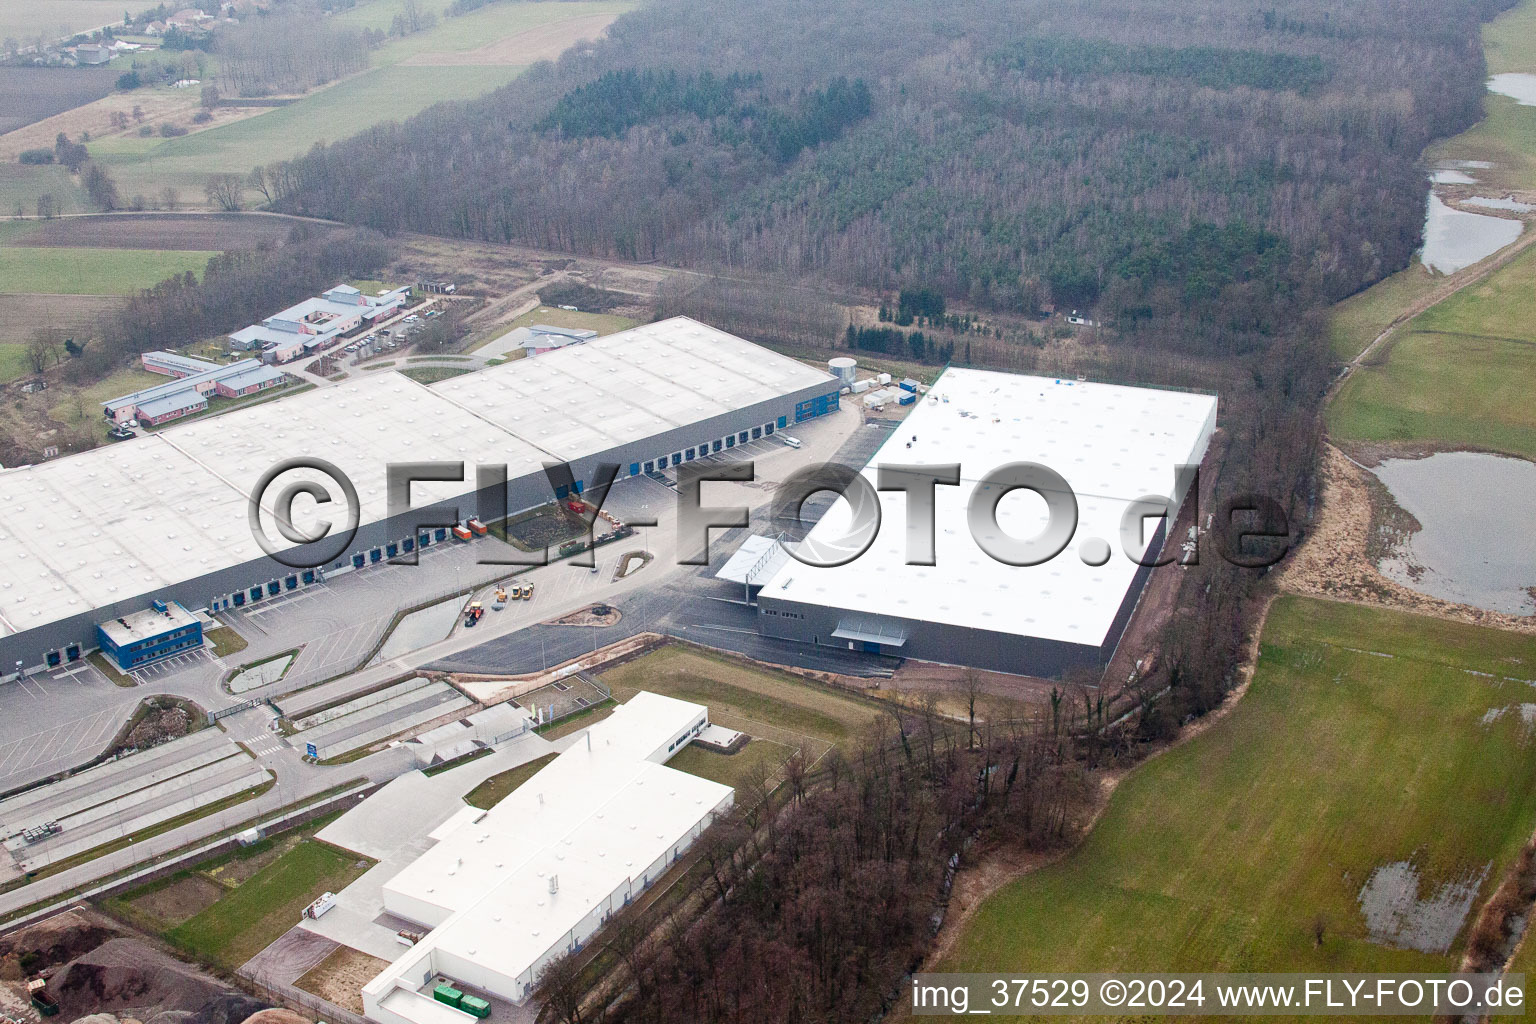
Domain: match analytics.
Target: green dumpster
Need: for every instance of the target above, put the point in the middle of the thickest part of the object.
(448, 994)
(475, 1006)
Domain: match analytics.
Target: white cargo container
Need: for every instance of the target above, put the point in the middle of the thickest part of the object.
(860, 386)
(884, 379)
(320, 906)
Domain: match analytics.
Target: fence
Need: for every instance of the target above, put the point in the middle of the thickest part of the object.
(235, 709)
(296, 998)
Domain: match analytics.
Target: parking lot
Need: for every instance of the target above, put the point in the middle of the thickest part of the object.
(190, 661)
(49, 723)
(116, 799)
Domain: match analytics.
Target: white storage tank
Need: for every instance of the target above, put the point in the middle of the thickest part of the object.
(844, 369)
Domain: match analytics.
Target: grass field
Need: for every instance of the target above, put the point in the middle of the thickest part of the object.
(396, 87)
(602, 323)
(245, 919)
(1361, 742)
(1507, 135)
(758, 757)
(386, 93)
(92, 271)
(431, 374)
(23, 183)
(780, 711)
(13, 362)
(1462, 372)
(59, 17)
(1357, 321)
(499, 786)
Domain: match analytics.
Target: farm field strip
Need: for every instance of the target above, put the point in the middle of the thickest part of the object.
(1478, 346)
(458, 59)
(92, 271)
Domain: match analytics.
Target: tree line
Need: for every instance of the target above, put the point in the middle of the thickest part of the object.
(817, 897)
(236, 288)
(288, 53)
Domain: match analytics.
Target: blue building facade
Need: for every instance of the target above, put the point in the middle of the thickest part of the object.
(166, 628)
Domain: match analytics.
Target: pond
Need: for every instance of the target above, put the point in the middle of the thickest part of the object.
(1502, 203)
(1475, 544)
(1517, 85)
(419, 628)
(1454, 239)
(1452, 177)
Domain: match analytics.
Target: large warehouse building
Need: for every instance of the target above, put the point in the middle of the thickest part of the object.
(100, 535)
(510, 889)
(1112, 444)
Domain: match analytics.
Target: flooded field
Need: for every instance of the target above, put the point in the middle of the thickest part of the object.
(1475, 545)
(1502, 203)
(1454, 239)
(1452, 177)
(1518, 85)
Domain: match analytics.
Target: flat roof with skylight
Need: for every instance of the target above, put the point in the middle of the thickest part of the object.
(1113, 444)
(108, 525)
(542, 870)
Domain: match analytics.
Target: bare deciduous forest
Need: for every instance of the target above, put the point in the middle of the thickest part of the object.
(1216, 165)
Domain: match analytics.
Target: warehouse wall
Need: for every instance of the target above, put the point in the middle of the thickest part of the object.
(31, 646)
(932, 641)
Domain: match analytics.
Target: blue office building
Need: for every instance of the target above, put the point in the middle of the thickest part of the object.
(163, 629)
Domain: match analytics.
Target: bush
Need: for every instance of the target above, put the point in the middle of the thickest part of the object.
(146, 130)
(202, 117)
(36, 156)
(129, 80)
(170, 131)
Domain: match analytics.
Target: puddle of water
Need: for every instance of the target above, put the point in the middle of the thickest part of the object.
(260, 675)
(1519, 85)
(1454, 239)
(1452, 178)
(1475, 545)
(420, 628)
(1395, 915)
(1526, 711)
(1512, 205)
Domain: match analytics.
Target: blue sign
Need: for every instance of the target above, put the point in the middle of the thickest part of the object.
(310, 751)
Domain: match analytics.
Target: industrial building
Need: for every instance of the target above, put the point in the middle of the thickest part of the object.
(505, 891)
(195, 380)
(1112, 444)
(317, 323)
(99, 535)
(163, 629)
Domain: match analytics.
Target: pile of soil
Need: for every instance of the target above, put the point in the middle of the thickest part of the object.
(159, 725)
(608, 616)
(39, 947)
(127, 974)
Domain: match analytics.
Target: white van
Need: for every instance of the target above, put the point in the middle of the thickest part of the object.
(793, 442)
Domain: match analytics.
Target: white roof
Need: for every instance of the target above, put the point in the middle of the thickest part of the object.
(1112, 444)
(755, 562)
(115, 523)
(599, 814)
(558, 800)
(645, 380)
(147, 623)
